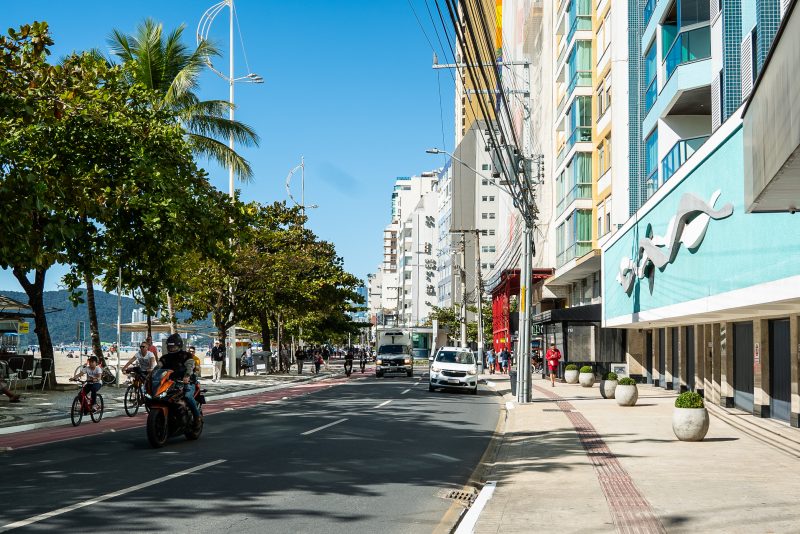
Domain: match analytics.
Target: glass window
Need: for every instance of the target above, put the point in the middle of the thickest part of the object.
(601, 158)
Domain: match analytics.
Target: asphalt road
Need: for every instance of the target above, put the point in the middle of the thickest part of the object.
(369, 455)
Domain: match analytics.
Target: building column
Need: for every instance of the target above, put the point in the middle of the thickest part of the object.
(723, 334)
(794, 349)
(635, 354)
(761, 391)
(658, 380)
(699, 359)
(683, 379)
(668, 379)
(710, 381)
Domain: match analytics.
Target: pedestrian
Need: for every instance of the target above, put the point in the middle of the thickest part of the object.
(12, 397)
(553, 356)
(317, 362)
(504, 357)
(300, 356)
(151, 347)
(490, 360)
(217, 356)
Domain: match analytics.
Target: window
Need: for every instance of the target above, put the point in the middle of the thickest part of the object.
(651, 162)
(489, 248)
(491, 232)
(484, 198)
(484, 182)
(491, 215)
(483, 266)
(484, 232)
(484, 216)
(486, 167)
(601, 157)
(491, 198)
(491, 265)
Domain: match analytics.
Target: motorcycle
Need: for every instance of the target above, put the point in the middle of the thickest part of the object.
(169, 414)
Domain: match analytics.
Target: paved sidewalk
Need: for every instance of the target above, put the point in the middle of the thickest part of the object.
(572, 461)
(39, 409)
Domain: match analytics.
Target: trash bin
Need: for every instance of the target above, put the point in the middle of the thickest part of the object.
(512, 375)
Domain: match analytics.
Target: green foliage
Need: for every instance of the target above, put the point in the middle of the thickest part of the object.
(586, 369)
(610, 376)
(450, 318)
(627, 381)
(571, 367)
(689, 399)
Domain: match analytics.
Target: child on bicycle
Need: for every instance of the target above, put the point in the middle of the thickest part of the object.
(93, 383)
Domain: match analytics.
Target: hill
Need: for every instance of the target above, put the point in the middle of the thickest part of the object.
(64, 318)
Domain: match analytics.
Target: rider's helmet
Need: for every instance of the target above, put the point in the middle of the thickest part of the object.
(174, 343)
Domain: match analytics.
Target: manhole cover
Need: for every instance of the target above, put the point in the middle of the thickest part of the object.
(465, 498)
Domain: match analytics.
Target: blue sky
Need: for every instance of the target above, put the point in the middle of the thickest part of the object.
(348, 85)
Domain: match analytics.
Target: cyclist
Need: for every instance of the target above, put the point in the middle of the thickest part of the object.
(362, 355)
(93, 379)
(181, 363)
(348, 361)
(143, 361)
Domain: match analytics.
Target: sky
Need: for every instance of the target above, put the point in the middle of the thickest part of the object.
(348, 85)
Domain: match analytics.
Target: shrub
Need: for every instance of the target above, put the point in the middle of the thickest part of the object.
(586, 369)
(627, 381)
(571, 367)
(689, 399)
(610, 376)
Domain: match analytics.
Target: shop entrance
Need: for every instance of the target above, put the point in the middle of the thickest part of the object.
(648, 357)
(689, 330)
(780, 381)
(743, 366)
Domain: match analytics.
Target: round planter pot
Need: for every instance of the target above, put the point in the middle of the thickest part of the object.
(690, 424)
(607, 388)
(586, 379)
(571, 376)
(626, 395)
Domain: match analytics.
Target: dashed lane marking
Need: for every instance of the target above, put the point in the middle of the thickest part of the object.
(384, 403)
(323, 427)
(405, 391)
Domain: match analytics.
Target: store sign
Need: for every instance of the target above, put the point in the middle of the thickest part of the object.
(23, 328)
(537, 329)
(687, 227)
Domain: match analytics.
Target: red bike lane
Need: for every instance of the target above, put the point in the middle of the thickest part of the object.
(43, 436)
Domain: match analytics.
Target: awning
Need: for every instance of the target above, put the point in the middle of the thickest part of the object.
(590, 312)
(158, 328)
(12, 309)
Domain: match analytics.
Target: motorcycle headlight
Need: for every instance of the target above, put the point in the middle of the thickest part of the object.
(378, 362)
(162, 395)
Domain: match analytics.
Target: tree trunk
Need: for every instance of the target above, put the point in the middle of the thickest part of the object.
(263, 321)
(35, 293)
(280, 342)
(149, 326)
(223, 337)
(171, 312)
(93, 326)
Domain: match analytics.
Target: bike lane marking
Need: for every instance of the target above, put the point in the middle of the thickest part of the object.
(45, 436)
(384, 403)
(323, 427)
(118, 493)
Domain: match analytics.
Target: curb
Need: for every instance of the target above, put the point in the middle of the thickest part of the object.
(117, 413)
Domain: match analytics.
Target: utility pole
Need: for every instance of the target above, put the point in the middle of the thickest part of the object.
(479, 295)
(463, 275)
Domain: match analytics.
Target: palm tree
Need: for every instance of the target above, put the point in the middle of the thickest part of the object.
(169, 67)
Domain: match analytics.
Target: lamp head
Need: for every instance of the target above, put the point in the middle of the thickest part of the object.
(433, 151)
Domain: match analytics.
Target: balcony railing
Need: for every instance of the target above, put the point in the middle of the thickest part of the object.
(649, 7)
(575, 250)
(581, 78)
(692, 45)
(678, 154)
(581, 23)
(651, 183)
(581, 134)
(579, 191)
(651, 94)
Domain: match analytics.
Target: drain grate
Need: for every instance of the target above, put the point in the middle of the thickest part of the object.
(463, 497)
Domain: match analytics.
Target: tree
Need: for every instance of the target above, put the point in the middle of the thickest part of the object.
(167, 66)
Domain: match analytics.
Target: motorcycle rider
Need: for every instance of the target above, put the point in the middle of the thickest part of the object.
(181, 363)
(348, 361)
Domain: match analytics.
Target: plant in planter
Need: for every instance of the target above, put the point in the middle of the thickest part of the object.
(690, 418)
(586, 376)
(607, 385)
(571, 374)
(626, 392)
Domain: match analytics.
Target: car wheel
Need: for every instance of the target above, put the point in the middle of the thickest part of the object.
(474, 391)
(378, 375)
(410, 373)
(431, 388)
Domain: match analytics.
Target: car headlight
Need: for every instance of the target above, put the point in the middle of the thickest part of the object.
(435, 369)
(472, 371)
(378, 362)
(407, 361)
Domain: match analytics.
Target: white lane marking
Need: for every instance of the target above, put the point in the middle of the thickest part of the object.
(323, 427)
(467, 524)
(406, 391)
(444, 457)
(83, 504)
(509, 405)
(384, 403)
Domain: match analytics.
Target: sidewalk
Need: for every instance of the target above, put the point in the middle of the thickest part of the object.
(41, 409)
(571, 461)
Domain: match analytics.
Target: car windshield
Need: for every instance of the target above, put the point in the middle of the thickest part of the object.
(392, 349)
(447, 356)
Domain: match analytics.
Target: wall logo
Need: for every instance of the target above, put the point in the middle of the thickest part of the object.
(688, 227)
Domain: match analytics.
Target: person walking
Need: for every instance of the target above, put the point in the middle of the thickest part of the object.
(504, 357)
(151, 347)
(217, 356)
(553, 356)
(490, 361)
(300, 356)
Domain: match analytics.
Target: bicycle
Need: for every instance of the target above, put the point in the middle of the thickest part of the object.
(134, 393)
(82, 405)
(109, 376)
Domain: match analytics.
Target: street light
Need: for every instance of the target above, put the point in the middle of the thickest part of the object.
(302, 203)
(203, 29)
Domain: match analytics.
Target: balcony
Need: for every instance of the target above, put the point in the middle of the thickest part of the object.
(581, 78)
(575, 250)
(692, 45)
(651, 94)
(678, 154)
(581, 23)
(649, 7)
(579, 191)
(581, 134)
(651, 183)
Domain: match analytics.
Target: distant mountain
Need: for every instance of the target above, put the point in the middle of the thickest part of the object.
(63, 318)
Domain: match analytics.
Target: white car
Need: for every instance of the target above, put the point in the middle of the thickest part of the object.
(454, 368)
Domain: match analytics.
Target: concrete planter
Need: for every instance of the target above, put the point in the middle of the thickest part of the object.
(690, 424)
(586, 379)
(607, 388)
(626, 395)
(571, 376)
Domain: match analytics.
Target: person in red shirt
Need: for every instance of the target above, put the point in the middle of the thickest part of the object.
(553, 356)
(152, 348)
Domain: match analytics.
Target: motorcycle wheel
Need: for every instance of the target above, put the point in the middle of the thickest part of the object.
(192, 434)
(157, 429)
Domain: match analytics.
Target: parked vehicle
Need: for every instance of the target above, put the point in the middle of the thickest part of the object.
(454, 368)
